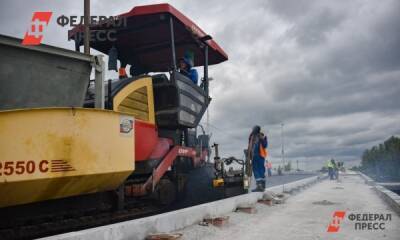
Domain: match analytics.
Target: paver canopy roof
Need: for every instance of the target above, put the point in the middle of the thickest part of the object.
(145, 38)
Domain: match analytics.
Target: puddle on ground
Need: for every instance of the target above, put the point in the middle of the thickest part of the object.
(324, 203)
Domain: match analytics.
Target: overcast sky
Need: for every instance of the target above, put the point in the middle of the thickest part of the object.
(329, 70)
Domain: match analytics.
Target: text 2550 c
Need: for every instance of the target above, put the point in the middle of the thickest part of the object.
(21, 167)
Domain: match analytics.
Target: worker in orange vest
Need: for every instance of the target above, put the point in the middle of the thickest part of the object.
(258, 144)
(122, 71)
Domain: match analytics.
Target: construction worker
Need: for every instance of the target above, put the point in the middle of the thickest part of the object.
(258, 144)
(336, 169)
(185, 67)
(279, 170)
(269, 168)
(122, 71)
(330, 166)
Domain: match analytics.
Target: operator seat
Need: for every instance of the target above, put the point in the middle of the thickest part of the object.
(179, 103)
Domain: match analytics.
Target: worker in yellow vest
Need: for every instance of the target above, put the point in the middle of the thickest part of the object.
(330, 165)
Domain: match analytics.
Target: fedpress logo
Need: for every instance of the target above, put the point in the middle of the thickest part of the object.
(334, 226)
(106, 32)
(34, 34)
(360, 221)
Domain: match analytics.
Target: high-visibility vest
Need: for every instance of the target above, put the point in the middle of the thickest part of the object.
(263, 151)
(329, 164)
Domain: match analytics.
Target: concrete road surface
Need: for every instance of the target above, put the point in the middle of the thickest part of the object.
(308, 214)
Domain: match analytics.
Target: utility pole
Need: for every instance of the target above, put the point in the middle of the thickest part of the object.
(283, 150)
(283, 156)
(86, 14)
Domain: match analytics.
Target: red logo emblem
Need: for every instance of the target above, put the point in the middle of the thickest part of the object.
(34, 35)
(335, 224)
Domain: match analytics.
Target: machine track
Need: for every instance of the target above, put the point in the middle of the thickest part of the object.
(198, 190)
(56, 224)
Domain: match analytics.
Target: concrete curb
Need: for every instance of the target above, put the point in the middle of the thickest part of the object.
(367, 179)
(172, 221)
(391, 198)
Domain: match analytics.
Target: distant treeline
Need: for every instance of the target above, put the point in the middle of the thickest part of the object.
(382, 162)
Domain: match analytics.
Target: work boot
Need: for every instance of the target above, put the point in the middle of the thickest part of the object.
(263, 185)
(259, 187)
(255, 189)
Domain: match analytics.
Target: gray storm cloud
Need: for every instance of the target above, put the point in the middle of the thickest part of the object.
(330, 70)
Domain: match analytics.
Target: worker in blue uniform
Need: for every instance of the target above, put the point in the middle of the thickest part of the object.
(186, 68)
(258, 143)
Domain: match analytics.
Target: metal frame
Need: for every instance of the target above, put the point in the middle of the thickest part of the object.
(99, 71)
(173, 54)
(162, 168)
(16, 42)
(205, 77)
